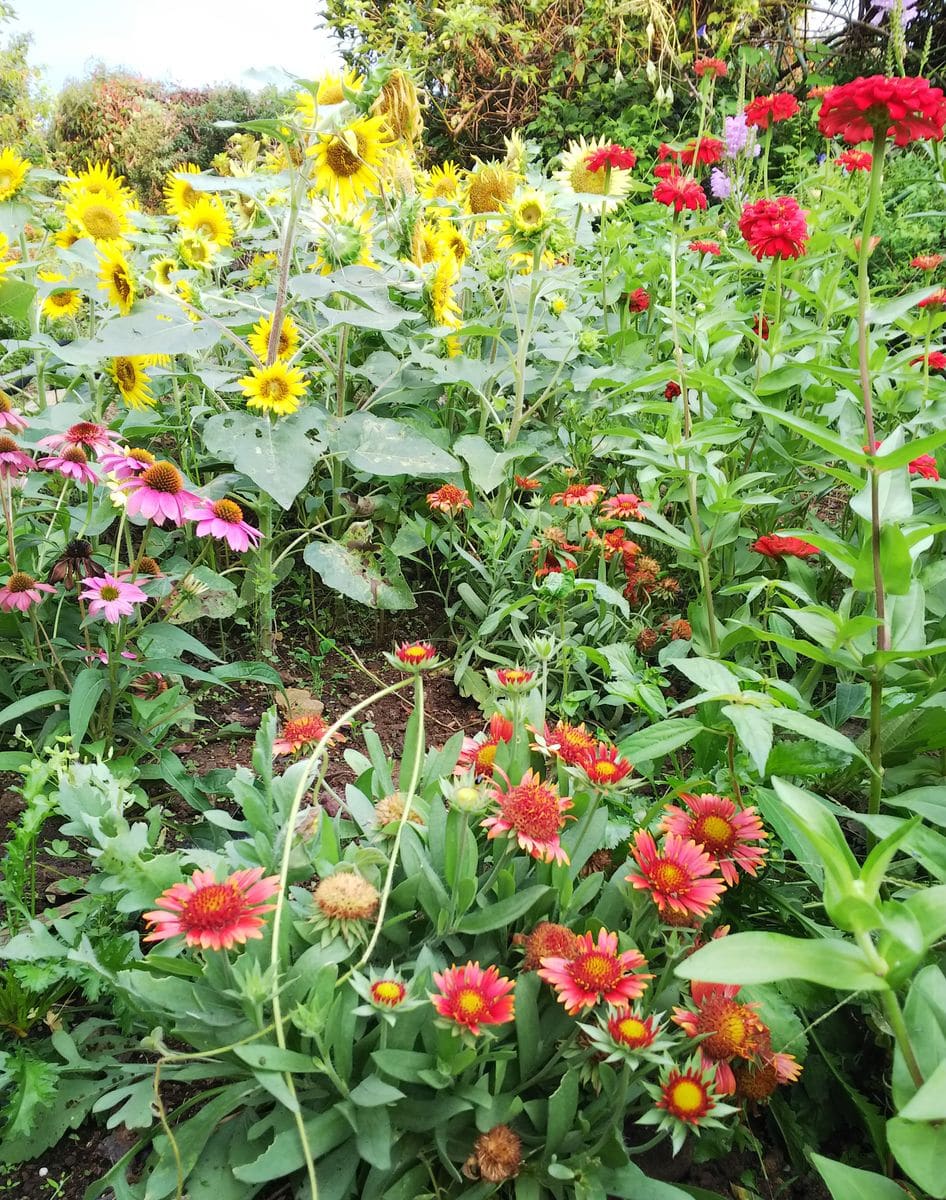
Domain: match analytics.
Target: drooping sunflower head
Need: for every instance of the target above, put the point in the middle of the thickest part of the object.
(426, 246)
(196, 250)
(97, 216)
(13, 170)
(346, 163)
(453, 239)
(331, 88)
(399, 104)
(116, 278)
(443, 305)
(489, 187)
(161, 269)
(179, 196)
(207, 216)
(344, 243)
(132, 381)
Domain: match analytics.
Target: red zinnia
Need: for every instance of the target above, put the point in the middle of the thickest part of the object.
(710, 66)
(774, 228)
(724, 831)
(906, 109)
(679, 876)
(925, 465)
(597, 972)
(705, 150)
(936, 300)
(672, 390)
(638, 301)
(855, 160)
(935, 360)
(212, 915)
(774, 545)
(678, 192)
(472, 997)
(618, 158)
(763, 109)
(449, 499)
(926, 262)
(664, 152)
(706, 248)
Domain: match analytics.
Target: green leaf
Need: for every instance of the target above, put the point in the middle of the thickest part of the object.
(501, 913)
(277, 453)
(382, 446)
(360, 578)
(757, 957)
(846, 1183)
(16, 299)
(265, 1056)
(920, 1149)
(155, 327)
(563, 1104)
(819, 434)
(87, 688)
(816, 731)
(372, 1092)
(527, 1022)
(754, 731)
(655, 741)
(488, 467)
(20, 708)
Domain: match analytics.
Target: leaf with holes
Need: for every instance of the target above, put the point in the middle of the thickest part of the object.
(278, 455)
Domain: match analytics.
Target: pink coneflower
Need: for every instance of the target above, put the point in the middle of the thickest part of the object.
(580, 495)
(85, 434)
(159, 495)
(623, 506)
(13, 460)
(9, 418)
(472, 997)
(723, 830)
(115, 598)
(480, 752)
(679, 876)
(127, 463)
(597, 972)
(534, 813)
(302, 733)
(21, 591)
(212, 915)
(224, 519)
(73, 463)
(604, 765)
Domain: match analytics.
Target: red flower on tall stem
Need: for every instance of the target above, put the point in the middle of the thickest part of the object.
(615, 157)
(764, 110)
(855, 160)
(926, 262)
(907, 109)
(679, 192)
(704, 150)
(710, 66)
(774, 228)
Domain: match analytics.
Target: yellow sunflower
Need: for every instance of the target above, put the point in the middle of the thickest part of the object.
(13, 171)
(100, 180)
(274, 389)
(593, 189)
(208, 217)
(196, 250)
(62, 304)
(344, 243)
(443, 182)
(347, 162)
(529, 214)
(426, 244)
(443, 303)
(66, 237)
(4, 252)
(288, 338)
(161, 269)
(132, 379)
(452, 238)
(489, 187)
(98, 217)
(179, 196)
(116, 278)
(398, 103)
(331, 89)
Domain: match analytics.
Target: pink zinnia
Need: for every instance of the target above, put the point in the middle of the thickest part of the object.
(723, 830)
(13, 460)
(680, 876)
(224, 519)
(212, 915)
(21, 591)
(10, 419)
(158, 494)
(535, 813)
(85, 434)
(114, 597)
(127, 463)
(472, 997)
(73, 463)
(597, 972)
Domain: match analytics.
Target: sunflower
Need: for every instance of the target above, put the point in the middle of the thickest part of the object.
(398, 103)
(593, 189)
(489, 187)
(443, 182)
(426, 244)
(98, 179)
(13, 171)
(452, 239)
(288, 338)
(208, 217)
(161, 269)
(274, 389)
(5, 260)
(115, 277)
(97, 217)
(132, 380)
(347, 162)
(196, 250)
(443, 303)
(58, 306)
(332, 88)
(179, 196)
(344, 243)
(529, 215)
(66, 237)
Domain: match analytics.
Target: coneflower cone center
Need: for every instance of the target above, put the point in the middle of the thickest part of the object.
(142, 456)
(109, 593)
(75, 454)
(714, 833)
(163, 477)
(534, 811)
(20, 582)
(470, 1004)
(227, 510)
(85, 433)
(669, 877)
(8, 445)
(214, 907)
(596, 972)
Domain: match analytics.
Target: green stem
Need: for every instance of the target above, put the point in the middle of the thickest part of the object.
(901, 1035)
(264, 576)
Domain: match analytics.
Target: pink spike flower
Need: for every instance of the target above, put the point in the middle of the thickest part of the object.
(597, 972)
(212, 915)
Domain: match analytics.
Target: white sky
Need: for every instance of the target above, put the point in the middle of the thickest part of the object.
(189, 42)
